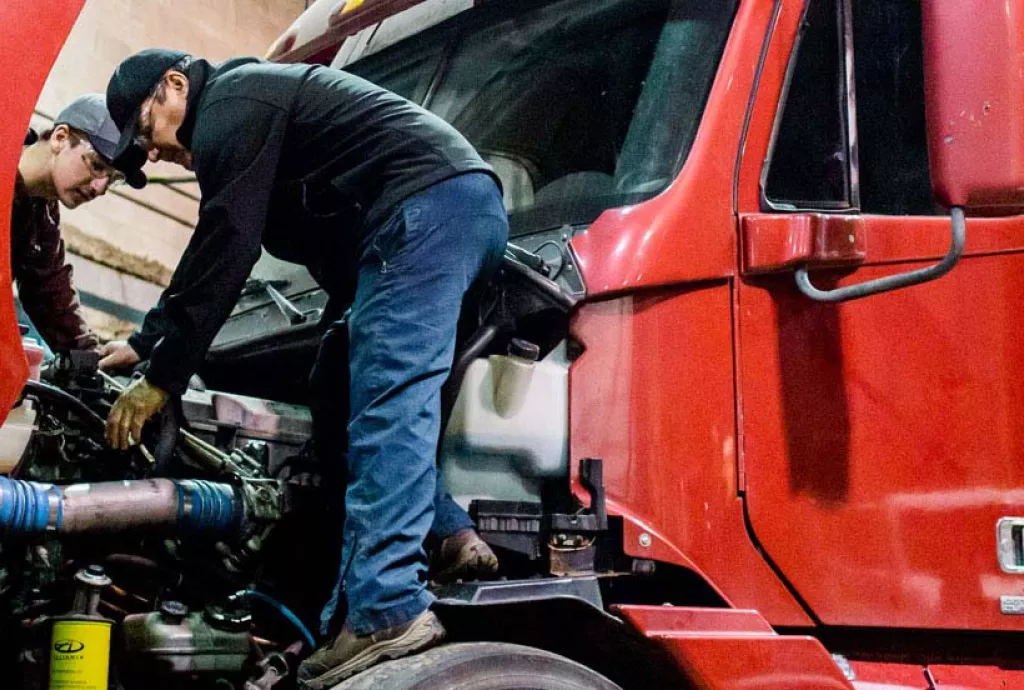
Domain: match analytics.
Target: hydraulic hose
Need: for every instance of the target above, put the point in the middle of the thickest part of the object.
(56, 395)
(190, 506)
(282, 609)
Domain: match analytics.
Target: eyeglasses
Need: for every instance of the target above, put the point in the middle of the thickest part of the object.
(144, 129)
(144, 136)
(99, 168)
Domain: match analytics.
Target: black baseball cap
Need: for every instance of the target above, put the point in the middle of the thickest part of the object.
(88, 114)
(131, 84)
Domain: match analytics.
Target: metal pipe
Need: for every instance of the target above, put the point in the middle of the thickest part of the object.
(213, 461)
(189, 505)
(210, 455)
(203, 445)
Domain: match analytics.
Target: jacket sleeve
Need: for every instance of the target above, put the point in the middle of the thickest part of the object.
(236, 148)
(45, 287)
(145, 339)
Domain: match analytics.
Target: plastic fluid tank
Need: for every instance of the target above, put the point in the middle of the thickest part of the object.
(15, 434)
(34, 354)
(509, 428)
(21, 421)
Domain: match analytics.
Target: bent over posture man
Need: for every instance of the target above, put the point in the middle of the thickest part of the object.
(387, 205)
(71, 163)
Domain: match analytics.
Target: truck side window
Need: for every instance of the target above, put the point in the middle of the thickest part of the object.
(892, 141)
(809, 163)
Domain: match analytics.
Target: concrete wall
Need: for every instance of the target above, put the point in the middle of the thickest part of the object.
(108, 31)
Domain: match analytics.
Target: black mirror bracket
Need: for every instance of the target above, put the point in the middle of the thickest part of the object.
(894, 282)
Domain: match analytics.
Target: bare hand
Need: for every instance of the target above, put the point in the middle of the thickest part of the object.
(139, 401)
(118, 354)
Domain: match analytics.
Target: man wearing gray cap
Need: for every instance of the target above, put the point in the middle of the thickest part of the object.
(73, 163)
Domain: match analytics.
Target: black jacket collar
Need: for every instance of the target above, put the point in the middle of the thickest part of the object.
(198, 74)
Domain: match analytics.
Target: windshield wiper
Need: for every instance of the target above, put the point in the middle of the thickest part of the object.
(294, 315)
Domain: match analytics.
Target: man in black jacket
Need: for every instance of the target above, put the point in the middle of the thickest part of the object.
(387, 205)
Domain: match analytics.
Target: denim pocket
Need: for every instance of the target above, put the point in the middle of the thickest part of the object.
(389, 239)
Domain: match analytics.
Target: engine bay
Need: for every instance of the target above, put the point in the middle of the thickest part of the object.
(186, 547)
(201, 557)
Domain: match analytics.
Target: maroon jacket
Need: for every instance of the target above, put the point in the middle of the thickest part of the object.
(44, 280)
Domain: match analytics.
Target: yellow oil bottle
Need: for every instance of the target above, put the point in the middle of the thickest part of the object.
(80, 641)
(80, 653)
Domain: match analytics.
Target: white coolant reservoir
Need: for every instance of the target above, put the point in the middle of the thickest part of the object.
(510, 426)
(15, 434)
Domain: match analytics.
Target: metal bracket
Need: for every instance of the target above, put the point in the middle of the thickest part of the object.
(894, 282)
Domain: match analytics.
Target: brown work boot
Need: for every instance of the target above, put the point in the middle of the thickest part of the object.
(350, 654)
(463, 556)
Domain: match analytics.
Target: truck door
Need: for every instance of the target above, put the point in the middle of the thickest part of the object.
(882, 438)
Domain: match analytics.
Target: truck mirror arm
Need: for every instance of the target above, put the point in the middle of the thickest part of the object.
(893, 282)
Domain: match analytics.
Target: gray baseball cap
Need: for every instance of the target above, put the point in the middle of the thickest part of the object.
(89, 115)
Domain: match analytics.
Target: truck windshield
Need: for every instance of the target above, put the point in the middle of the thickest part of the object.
(579, 107)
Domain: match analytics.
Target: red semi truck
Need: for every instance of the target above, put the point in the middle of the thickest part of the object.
(789, 410)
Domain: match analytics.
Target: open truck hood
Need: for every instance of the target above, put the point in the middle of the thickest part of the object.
(30, 39)
(358, 28)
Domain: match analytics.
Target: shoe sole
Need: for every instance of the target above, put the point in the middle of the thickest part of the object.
(416, 639)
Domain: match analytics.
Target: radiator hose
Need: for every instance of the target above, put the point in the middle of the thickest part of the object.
(188, 505)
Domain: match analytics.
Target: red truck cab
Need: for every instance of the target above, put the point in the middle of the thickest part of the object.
(849, 469)
(29, 48)
(838, 475)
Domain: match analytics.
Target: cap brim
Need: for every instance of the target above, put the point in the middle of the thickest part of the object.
(128, 135)
(136, 179)
(130, 163)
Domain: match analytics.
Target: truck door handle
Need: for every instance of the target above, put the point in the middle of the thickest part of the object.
(893, 282)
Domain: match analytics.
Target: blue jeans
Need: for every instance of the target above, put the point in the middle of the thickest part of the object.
(329, 377)
(414, 269)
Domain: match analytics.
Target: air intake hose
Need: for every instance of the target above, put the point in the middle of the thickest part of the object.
(191, 506)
